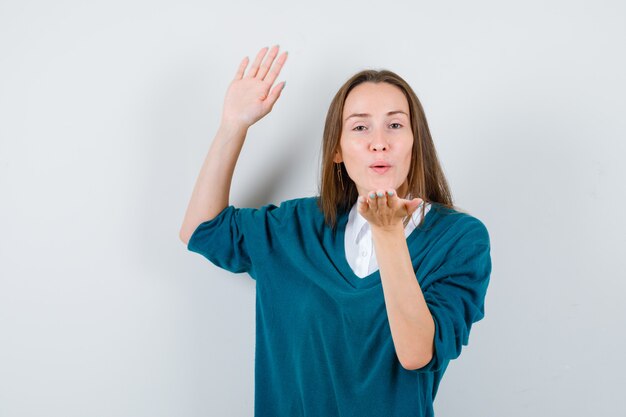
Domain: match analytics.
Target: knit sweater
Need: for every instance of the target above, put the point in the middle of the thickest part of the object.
(323, 341)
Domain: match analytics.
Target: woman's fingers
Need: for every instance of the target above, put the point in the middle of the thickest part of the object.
(386, 207)
(278, 65)
(257, 62)
(266, 70)
(363, 206)
(381, 198)
(392, 198)
(389, 202)
(384, 199)
(274, 94)
(412, 205)
(372, 200)
(241, 69)
(267, 62)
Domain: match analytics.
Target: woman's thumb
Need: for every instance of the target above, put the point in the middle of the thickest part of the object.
(412, 205)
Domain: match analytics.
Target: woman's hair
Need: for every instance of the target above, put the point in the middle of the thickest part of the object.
(426, 179)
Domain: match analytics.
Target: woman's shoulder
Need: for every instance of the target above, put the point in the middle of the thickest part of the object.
(301, 203)
(287, 207)
(459, 222)
(291, 211)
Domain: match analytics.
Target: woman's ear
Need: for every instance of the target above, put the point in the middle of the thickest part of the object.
(337, 158)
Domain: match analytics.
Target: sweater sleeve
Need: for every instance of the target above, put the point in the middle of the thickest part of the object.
(222, 240)
(456, 294)
(241, 239)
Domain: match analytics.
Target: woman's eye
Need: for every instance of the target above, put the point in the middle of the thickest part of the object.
(393, 126)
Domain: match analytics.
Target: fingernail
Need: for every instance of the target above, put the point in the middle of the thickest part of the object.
(361, 200)
(373, 195)
(380, 194)
(390, 193)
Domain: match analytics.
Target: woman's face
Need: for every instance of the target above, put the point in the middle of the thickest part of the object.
(376, 138)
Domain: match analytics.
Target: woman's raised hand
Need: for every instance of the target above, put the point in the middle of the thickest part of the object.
(249, 98)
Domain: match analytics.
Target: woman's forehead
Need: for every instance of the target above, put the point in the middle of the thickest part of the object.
(374, 99)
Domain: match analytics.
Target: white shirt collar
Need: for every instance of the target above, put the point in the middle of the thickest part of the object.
(358, 243)
(358, 224)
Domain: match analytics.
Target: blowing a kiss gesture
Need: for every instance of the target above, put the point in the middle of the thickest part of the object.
(373, 144)
(385, 210)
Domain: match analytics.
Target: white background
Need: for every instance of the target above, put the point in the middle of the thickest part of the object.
(107, 110)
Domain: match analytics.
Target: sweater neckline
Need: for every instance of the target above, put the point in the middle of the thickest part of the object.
(372, 279)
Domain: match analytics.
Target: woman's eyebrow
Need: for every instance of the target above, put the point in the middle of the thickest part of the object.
(369, 115)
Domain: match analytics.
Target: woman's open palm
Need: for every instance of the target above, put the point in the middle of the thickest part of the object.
(248, 98)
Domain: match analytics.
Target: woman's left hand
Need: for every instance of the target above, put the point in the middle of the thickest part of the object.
(384, 209)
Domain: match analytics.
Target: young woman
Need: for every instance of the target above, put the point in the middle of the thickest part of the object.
(365, 292)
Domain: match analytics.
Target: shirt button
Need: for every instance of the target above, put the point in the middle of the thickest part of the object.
(364, 254)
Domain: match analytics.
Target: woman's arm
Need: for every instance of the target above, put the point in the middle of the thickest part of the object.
(248, 99)
(212, 188)
(412, 326)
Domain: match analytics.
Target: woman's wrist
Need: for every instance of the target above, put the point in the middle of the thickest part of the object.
(233, 126)
(388, 229)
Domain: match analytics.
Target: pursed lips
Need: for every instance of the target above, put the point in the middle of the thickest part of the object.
(380, 167)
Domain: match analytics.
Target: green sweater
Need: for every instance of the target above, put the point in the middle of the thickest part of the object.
(323, 342)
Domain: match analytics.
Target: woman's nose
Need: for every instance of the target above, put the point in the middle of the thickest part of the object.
(379, 144)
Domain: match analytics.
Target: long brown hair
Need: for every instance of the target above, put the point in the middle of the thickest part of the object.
(426, 179)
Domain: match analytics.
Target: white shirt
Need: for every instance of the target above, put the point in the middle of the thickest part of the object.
(359, 244)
